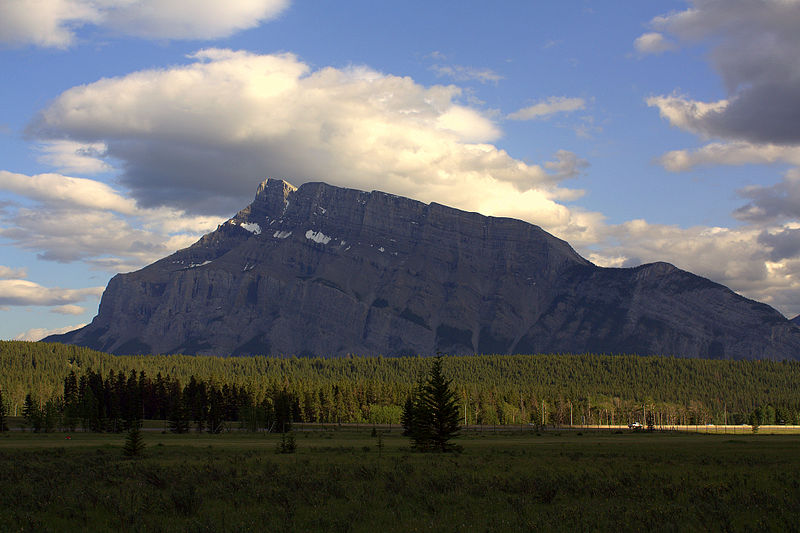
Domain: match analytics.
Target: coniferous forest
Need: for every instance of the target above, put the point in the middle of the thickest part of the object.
(68, 387)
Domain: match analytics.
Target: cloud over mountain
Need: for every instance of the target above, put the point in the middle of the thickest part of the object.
(195, 137)
(87, 220)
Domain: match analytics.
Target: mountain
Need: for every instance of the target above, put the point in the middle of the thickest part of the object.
(328, 271)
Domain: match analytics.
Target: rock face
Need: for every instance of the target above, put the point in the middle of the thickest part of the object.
(328, 271)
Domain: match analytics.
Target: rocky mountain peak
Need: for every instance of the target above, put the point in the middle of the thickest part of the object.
(272, 196)
(326, 270)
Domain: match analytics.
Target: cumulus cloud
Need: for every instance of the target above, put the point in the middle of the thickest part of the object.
(53, 23)
(201, 136)
(550, 106)
(37, 334)
(755, 49)
(653, 43)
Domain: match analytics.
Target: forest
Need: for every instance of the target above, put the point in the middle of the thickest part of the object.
(63, 386)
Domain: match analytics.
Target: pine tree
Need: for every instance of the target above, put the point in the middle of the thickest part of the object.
(430, 416)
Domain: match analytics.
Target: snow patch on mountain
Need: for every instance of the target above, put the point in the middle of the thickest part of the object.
(252, 227)
(317, 236)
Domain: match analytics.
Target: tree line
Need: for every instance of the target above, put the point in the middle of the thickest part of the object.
(539, 389)
(119, 402)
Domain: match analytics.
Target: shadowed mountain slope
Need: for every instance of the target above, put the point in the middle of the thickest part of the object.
(328, 271)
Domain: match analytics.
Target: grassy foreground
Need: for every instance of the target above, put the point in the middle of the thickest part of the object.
(341, 481)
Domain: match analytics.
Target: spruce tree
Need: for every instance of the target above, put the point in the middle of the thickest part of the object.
(430, 416)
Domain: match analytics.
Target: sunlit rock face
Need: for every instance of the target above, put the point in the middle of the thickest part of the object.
(327, 271)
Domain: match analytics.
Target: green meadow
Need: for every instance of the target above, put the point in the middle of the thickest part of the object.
(354, 480)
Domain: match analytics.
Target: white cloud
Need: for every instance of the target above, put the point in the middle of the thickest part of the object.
(53, 23)
(77, 192)
(68, 309)
(191, 19)
(48, 23)
(653, 43)
(465, 73)
(200, 137)
(551, 106)
(37, 334)
(12, 273)
(688, 114)
(66, 235)
(78, 219)
(468, 124)
(730, 153)
(24, 292)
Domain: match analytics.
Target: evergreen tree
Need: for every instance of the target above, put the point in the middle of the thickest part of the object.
(430, 417)
(283, 411)
(71, 406)
(32, 414)
(134, 443)
(178, 418)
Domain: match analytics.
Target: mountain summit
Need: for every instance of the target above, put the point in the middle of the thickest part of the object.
(327, 271)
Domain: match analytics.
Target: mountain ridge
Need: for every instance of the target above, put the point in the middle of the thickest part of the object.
(326, 270)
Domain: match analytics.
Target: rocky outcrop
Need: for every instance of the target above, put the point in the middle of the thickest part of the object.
(328, 271)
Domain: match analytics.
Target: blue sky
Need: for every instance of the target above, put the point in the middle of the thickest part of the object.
(637, 131)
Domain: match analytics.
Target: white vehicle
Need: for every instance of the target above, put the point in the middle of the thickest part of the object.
(635, 425)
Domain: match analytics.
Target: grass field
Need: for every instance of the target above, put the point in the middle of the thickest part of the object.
(341, 481)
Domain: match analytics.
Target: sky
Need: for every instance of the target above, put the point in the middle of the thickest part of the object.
(637, 131)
